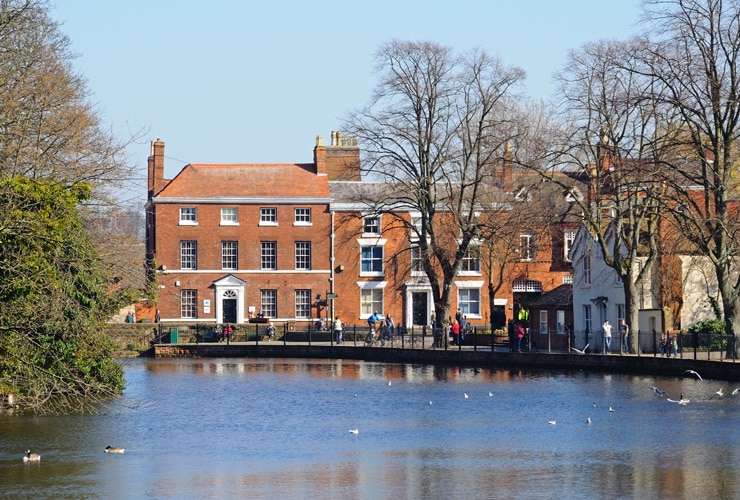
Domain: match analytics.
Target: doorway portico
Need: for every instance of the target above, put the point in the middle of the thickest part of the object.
(230, 293)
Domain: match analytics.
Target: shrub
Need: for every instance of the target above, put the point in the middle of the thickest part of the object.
(709, 335)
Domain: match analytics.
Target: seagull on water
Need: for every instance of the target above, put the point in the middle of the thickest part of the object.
(389, 382)
(588, 420)
(31, 457)
(734, 392)
(693, 373)
(612, 409)
(114, 449)
(718, 394)
(465, 394)
(552, 422)
(490, 394)
(354, 431)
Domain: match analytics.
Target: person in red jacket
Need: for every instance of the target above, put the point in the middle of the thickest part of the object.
(455, 329)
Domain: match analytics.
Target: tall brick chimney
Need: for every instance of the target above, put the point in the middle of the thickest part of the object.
(319, 156)
(340, 161)
(155, 166)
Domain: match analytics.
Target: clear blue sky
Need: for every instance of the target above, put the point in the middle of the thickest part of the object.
(231, 81)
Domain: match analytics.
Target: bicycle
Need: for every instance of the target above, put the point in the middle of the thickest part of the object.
(372, 340)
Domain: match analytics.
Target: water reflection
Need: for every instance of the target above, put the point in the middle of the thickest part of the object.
(278, 428)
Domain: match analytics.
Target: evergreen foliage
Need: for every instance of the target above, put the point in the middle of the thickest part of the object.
(53, 299)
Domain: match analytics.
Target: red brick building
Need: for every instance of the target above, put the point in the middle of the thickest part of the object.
(226, 242)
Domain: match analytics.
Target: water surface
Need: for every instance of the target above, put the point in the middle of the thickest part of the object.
(272, 428)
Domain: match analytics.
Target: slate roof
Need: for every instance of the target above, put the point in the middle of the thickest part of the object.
(561, 296)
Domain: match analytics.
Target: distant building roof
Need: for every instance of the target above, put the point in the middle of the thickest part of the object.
(247, 180)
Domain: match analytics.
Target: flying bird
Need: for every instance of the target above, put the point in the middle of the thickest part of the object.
(681, 401)
(692, 373)
(734, 392)
(658, 392)
(581, 351)
(31, 457)
(718, 394)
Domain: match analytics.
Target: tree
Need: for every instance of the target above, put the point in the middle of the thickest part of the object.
(436, 127)
(609, 136)
(54, 155)
(693, 63)
(49, 129)
(52, 301)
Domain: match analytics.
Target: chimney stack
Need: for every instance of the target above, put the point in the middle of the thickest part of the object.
(155, 168)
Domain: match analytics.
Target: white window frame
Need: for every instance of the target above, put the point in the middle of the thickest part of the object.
(417, 268)
(302, 255)
(303, 304)
(188, 255)
(371, 225)
(229, 216)
(188, 216)
(464, 301)
(372, 296)
(527, 247)
(560, 320)
(470, 265)
(586, 267)
(302, 216)
(366, 243)
(229, 254)
(268, 255)
(569, 238)
(544, 325)
(268, 216)
(416, 221)
(268, 302)
(189, 304)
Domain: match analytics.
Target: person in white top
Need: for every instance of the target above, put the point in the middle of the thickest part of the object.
(607, 336)
(338, 331)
